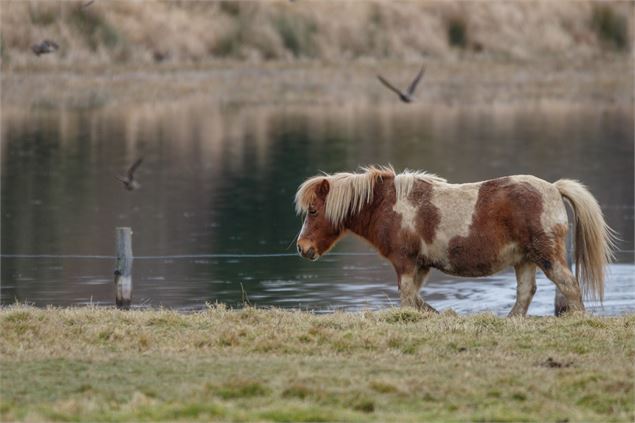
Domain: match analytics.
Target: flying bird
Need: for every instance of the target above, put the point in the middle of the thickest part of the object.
(45, 47)
(406, 97)
(87, 3)
(128, 180)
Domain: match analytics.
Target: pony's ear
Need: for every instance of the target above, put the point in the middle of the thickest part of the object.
(323, 188)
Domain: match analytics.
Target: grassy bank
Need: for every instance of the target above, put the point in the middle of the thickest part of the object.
(110, 32)
(396, 365)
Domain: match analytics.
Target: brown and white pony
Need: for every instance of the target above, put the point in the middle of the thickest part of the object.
(419, 221)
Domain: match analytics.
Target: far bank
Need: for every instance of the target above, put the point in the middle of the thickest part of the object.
(462, 83)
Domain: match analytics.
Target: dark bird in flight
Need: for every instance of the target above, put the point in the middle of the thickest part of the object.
(128, 180)
(406, 97)
(87, 3)
(44, 47)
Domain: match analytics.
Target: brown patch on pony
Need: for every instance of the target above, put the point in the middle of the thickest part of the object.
(428, 216)
(379, 224)
(505, 213)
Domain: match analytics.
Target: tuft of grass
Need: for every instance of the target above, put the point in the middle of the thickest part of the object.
(228, 45)
(95, 29)
(457, 31)
(241, 388)
(172, 411)
(295, 413)
(42, 14)
(230, 7)
(167, 319)
(402, 315)
(610, 27)
(18, 316)
(297, 390)
(365, 405)
(383, 387)
(297, 35)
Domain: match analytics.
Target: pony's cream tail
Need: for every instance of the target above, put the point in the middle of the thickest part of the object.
(595, 241)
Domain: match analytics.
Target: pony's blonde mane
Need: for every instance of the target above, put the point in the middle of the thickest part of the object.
(406, 180)
(349, 192)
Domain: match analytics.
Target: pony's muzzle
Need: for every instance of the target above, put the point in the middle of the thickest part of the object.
(307, 252)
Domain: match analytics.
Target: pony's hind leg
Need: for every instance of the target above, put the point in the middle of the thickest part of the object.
(567, 284)
(560, 304)
(525, 288)
(409, 287)
(554, 263)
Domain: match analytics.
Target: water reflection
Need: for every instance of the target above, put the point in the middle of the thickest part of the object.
(220, 179)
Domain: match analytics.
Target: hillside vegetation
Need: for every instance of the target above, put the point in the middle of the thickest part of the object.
(196, 31)
(95, 364)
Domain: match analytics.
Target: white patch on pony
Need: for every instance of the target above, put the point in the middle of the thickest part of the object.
(408, 213)
(404, 182)
(456, 203)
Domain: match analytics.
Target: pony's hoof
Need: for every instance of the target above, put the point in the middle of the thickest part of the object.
(427, 308)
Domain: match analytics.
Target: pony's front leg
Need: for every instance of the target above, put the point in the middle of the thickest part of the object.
(525, 288)
(409, 287)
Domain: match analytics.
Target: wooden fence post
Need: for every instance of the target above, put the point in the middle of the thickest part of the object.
(123, 268)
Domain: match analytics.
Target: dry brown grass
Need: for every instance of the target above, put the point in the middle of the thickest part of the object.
(93, 364)
(194, 31)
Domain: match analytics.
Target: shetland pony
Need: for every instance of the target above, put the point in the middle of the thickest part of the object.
(419, 221)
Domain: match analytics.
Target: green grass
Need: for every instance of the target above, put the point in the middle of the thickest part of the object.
(96, 364)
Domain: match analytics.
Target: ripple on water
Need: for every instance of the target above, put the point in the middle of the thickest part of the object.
(498, 293)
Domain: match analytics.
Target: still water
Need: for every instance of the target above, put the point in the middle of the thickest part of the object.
(218, 184)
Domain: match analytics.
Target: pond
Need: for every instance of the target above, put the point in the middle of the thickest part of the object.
(214, 218)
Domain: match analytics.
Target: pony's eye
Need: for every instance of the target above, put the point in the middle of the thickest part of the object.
(312, 211)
